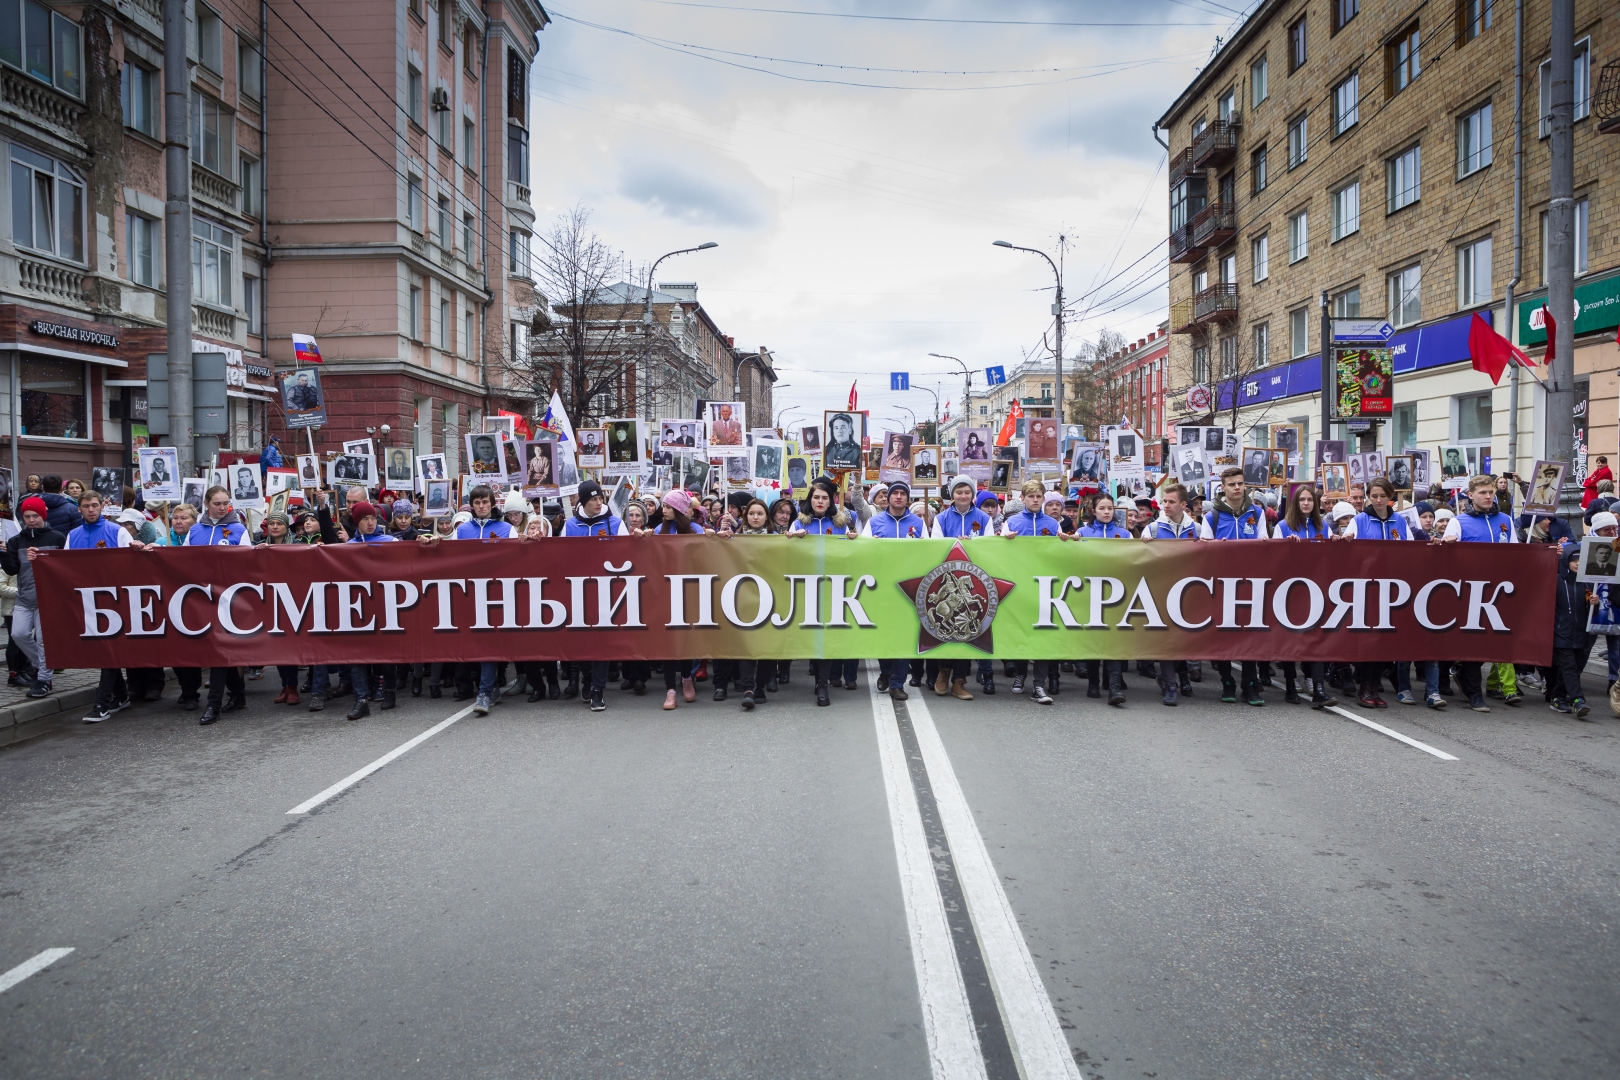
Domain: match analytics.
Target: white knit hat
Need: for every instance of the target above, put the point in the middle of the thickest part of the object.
(1604, 520)
(1341, 511)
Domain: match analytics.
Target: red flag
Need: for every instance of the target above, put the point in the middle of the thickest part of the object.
(1009, 426)
(853, 397)
(520, 425)
(1552, 335)
(1490, 351)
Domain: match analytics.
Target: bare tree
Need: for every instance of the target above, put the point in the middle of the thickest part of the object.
(1095, 394)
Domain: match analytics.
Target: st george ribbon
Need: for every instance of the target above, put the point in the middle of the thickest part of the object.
(628, 598)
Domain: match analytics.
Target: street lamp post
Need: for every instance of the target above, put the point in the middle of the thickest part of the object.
(1057, 310)
(967, 377)
(646, 314)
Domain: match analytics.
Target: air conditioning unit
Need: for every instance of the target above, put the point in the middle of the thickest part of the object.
(441, 99)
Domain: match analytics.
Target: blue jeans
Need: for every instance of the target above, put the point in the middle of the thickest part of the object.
(1431, 677)
(486, 678)
(896, 670)
(320, 679)
(1613, 645)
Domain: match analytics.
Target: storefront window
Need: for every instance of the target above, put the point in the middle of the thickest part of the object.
(53, 399)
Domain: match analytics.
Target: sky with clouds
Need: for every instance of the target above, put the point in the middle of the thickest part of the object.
(855, 162)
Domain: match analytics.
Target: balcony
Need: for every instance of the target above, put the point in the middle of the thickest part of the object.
(1606, 102)
(1212, 226)
(1181, 317)
(1180, 165)
(1216, 145)
(213, 188)
(217, 324)
(49, 280)
(1218, 303)
(1181, 249)
(40, 103)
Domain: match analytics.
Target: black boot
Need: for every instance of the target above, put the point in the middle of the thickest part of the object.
(821, 694)
(388, 701)
(573, 687)
(416, 686)
(434, 690)
(361, 710)
(1290, 691)
(553, 692)
(536, 692)
(233, 703)
(1116, 690)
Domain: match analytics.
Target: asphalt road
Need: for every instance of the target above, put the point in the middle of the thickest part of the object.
(945, 890)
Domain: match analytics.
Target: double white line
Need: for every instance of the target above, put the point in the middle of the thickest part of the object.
(1024, 1026)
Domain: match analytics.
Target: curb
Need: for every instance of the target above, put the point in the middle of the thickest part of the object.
(29, 719)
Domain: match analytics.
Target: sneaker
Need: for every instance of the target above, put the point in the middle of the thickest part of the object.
(720, 693)
(1477, 704)
(597, 703)
(1531, 680)
(1254, 698)
(669, 700)
(1018, 684)
(1514, 699)
(361, 710)
(1229, 693)
(748, 701)
(481, 706)
(990, 685)
(1494, 694)
(1039, 696)
(1171, 692)
(836, 684)
(100, 713)
(1435, 701)
(39, 690)
(1581, 708)
(688, 691)
(1405, 698)
(1560, 706)
(317, 702)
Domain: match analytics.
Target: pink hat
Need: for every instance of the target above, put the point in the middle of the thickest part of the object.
(678, 501)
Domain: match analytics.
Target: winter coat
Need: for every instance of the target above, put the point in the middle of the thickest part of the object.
(1569, 613)
(61, 513)
(14, 559)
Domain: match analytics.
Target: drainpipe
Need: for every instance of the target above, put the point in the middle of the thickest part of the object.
(1155, 130)
(483, 206)
(264, 185)
(177, 230)
(1518, 227)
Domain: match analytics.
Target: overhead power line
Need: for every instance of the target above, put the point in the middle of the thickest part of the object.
(918, 18)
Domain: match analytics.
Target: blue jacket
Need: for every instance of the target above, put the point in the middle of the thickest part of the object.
(668, 529)
(1248, 525)
(826, 525)
(1108, 531)
(951, 523)
(1162, 528)
(1370, 528)
(1494, 528)
(377, 537)
(230, 531)
(1558, 532)
(606, 525)
(1030, 523)
(482, 530)
(61, 513)
(886, 526)
(103, 534)
(1307, 531)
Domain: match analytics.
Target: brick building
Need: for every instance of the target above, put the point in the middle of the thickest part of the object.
(1282, 150)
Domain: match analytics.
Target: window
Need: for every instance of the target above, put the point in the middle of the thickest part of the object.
(1346, 211)
(1260, 255)
(442, 223)
(468, 235)
(517, 85)
(1474, 273)
(413, 203)
(210, 40)
(1199, 125)
(1474, 141)
(1583, 209)
(1345, 99)
(447, 24)
(211, 251)
(1582, 89)
(42, 43)
(1228, 357)
(1229, 269)
(1262, 345)
(1201, 364)
(1404, 172)
(1200, 281)
(1474, 418)
(1406, 295)
(249, 173)
(1227, 188)
(1298, 141)
(1403, 429)
(47, 205)
(519, 250)
(1187, 198)
(416, 313)
(211, 124)
(1296, 46)
(145, 244)
(1299, 326)
(1227, 105)
(248, 71)
(469, 144)
(1299, 236)
(1258, 90)
(250, 304)
(54, 402)
(1473, 18)
(517, 155)
(413, 95)
(1347, 305)
(1343, 12)
(444, 325)
(1257, 171)
(469, 47)
(1401, 57)
(466, 334)
(142, 92)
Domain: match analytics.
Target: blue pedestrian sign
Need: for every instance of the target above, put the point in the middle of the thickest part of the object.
(995, 376)
(899, 380)
(1378, 330)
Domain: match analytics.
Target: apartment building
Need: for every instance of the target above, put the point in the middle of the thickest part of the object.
(1137, 375)
(375, 152)
(1366, 153)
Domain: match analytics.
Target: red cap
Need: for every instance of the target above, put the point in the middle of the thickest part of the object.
(34, 503)
(362, 509)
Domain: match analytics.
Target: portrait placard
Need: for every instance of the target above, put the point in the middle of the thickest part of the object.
(159, 468)
(1546, 482)
(1599, 561)
(844, 434)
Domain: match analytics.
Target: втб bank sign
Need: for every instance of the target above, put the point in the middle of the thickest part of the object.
(793, 598)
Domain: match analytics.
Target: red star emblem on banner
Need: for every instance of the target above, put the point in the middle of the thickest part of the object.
(956, 602)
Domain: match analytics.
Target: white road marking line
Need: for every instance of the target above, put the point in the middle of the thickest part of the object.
(1397, 736)
(1032, 1025)
(355, 777)
(953, 1043)
(31, 967)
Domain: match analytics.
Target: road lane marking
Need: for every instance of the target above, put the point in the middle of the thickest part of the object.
(31, 967)
(1032, 1024)
(953, 1042)
(1392, 733)
(355, 777)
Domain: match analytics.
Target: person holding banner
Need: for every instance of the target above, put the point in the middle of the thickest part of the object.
(822, 516)
(378, 682)
(592, 517)
(1033, 521)
(896, 522)
(678, 522)
(219, 526)
(960, 520)
(1102, 527)
(1302, 520)
(1236, 517)
(1175, 522)
(1480, 522)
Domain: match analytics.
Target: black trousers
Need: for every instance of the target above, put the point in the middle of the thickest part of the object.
(1108, 668)
(959, 670)
(112, 688)
(1045, 671)
(675, 671)
(1469, 680)
(1567, 664)
(1250, 669)
(219, 679)
(365, 676)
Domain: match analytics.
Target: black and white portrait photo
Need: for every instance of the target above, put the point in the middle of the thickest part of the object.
(768, 461)
(1599, 561)
(159, 473)
(925, 466)
(192, 491)
(976, 444)
(431, 467)
(1331, 451)
(246, 490)
(351, 469)
(110, 484)
(484, 455)
(1398, 467)
(1215, 439)
(309, 471)
(844, 433)
(810, 439)
(1257, 466)
(399, 471)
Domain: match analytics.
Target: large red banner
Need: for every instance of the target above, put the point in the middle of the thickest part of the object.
(782, 597)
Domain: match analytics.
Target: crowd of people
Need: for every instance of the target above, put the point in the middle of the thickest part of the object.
(54, 514)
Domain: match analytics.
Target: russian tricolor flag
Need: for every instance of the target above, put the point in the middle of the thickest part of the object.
(305, 350)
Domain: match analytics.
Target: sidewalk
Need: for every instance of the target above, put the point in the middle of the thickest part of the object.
(22, 717)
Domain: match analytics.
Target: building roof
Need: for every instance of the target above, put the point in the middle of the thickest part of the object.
(1218, 64)
(625, 293)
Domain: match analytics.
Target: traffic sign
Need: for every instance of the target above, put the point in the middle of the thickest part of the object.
(899, 380)
(1362, 330)
(995, 376)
